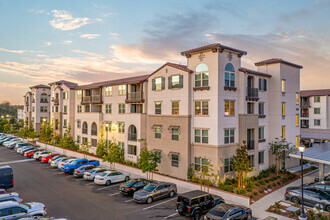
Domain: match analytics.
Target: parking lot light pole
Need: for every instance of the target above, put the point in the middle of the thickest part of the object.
(302, 216)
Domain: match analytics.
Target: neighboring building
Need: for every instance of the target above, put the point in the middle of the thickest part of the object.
(20, 114)
(315, 115)
(37, 106)
(189, 115)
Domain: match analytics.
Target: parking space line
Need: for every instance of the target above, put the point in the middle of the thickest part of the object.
(61, 173)
(107, 187)
(149, 207)
(16, 161)
(79, 180)
(130, 200)
(88, 184)
(170, 216)
(114, 194)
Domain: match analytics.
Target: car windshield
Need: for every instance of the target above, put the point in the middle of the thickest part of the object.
(217, 212)
(130, 183)
(149, 188)
(73, 162)
(325, 195)
(26, 206)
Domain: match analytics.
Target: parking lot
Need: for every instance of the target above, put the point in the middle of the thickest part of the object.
(68, 197)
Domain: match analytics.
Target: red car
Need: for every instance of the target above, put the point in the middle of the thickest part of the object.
(46, 158)
(30, 154)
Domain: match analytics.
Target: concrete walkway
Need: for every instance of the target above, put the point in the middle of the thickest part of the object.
(259, 207)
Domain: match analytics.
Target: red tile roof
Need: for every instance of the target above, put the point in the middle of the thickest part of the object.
(277, 60)
(212, 46)
(318, 92)
(254, 72)
(174, 65)
(40, 86)
(69, 84)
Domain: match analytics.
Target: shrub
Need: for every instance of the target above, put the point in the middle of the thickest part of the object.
(313, 167)
(267, 181)
(262, 182)
(257, 184)
(298, 212)
(249, 189)
(269, 186)
(231, 189)
(240, 191)
(274, 185)
(278, 183)
(261, 190)
(255, 193)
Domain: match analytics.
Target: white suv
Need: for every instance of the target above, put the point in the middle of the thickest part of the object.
(14, 210)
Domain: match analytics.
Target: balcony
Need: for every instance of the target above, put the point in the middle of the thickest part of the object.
(86, 100)
(304, 115)
(97, 99)
(43, 101)
(134, 97)
(252, 94)
(132, 137)
(250, 144)
(56, 101)
(33, 100)
(305, 105)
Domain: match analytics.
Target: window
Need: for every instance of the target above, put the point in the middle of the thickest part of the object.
(229, 75)
(84, 140)
(283, 132)
(228, 163)
(204, 165)
(251, 159)
(261, 133)
(121, 127)
(121, 108)
(297, 120)
(79, 94)
(158, 84)
(52, 108)
(159, 156)
(158, 132)
(201, 108)
(131, 150)
(175, 108)
(43, 98)
(87, 108)
(297, 141)
(317, 98)
(201, 136)
(65, 109)
(283, 85)
(121, 145)
(94, 129)
(261, 108)
(317, 122)
(122, 90)
(33, 109)
(201, 76)
(175, 160)
(297, 98)
(79, 108)
(262, 84)
(108, 108)
(108, 91)
(158, 108)
(283, 108)
(175, 134)
(78, 124)
(65, 123)
(56, 124)
(43, 109)
(261, 157)
(229, 136)
(250, 108)
(175, 82)
(65, 95)
(229, 108)
(132, 133)
(317, 111)
(197, 163)
(85, 128)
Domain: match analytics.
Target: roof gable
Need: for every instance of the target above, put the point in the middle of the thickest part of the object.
(277, 60)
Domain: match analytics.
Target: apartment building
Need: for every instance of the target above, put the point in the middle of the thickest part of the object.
(315, 115)
(190, 115)
(20, 114)
(62, 106)
(36, 106)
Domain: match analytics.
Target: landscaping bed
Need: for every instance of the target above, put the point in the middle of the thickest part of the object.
(280, 209)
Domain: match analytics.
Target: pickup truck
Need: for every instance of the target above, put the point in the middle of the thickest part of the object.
(70, 167)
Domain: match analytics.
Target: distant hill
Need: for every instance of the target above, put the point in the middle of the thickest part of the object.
(7, 109)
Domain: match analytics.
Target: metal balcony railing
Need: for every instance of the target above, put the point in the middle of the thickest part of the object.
(304, 115)
(56, 101)
(135, 97)
(96, 98)
(86, 98)
(43, 101)
(252, 93)
(250, 144)
(305, 104)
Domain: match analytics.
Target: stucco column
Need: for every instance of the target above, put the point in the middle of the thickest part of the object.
(321, 172)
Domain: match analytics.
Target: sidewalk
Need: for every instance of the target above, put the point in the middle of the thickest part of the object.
(259, 207)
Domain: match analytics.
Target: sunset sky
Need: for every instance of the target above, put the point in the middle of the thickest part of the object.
(90, 41)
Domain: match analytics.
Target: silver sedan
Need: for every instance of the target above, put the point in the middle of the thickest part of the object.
(90, 175)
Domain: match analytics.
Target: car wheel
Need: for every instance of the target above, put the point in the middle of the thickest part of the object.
(327, 208)
(71, 171)
(249, 216)
(108, 183)
(149, 200)
(295, 200)
(172, 193)
(181, 208)
(197, 215)
(126, 178)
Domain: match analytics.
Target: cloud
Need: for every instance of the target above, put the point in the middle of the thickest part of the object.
(63, 20)
(89, 36)
(67, 42)
(12, 85)
(48, 43)
(13, 51)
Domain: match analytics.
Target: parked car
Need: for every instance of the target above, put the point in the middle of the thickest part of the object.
(13, 144)
(109, 177)
(90, 175)
(45, 158)
(19, 145)
(6, 139)
(323, 186)
(6, 177)
(196, 203)
(56, 162)
(42, 154)
(315, 198)
(55, 158)
(10, 197)
(19, 150)
(27, 149)
(155, 191)
(228, 211)
(30, 153)
(12, 141)
(79, 172)
(2, 191)
(14, 210)
(36, 155)
(62, 163)
(326, 178)
(75, 164)
(130, 187)
(42, 218)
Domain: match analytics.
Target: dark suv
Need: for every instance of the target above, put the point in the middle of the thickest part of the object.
(195, 203)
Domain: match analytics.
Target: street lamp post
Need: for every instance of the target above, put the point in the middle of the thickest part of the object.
(302, 216)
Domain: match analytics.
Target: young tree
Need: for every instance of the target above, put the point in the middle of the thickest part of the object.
(147, 160)
(281, 150)
(101, 144)
(241, 164)
(84, 148)
(113, 154)
(67, 141)
(206, 174)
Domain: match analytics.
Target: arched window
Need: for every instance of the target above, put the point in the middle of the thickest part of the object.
(85, 128)
(229, 75)
(43, 98)
(94, 129)
(132, 133)
(202, 75)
